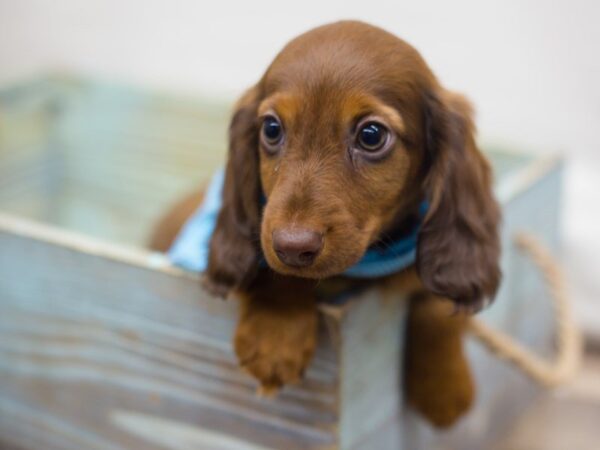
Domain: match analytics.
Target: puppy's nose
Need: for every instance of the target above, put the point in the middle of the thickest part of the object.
(297, 247)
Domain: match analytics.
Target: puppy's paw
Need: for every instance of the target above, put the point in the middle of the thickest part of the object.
(276, 346)
(442, 397)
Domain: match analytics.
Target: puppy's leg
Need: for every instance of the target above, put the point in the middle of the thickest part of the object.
(277, 330)
(438, 379)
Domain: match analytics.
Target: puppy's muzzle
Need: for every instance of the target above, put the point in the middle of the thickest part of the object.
(297, 247)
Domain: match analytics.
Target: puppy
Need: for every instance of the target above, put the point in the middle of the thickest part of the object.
(345, 145)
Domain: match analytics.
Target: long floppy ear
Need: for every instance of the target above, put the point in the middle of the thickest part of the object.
(234, 247)
(458, 248)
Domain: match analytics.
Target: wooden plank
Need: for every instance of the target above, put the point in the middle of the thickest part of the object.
(134, 342)
(371, 394)
(97, 136)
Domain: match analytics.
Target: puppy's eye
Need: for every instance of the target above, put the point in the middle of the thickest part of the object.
(372, 136)
(272, 132)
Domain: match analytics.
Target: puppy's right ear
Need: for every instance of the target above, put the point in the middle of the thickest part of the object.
(235, 244)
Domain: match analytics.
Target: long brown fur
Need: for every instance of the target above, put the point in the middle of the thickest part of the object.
(320, 85)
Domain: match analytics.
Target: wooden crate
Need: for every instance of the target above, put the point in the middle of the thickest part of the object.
(105, 345)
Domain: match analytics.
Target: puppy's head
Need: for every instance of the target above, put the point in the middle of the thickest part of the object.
(335, 147)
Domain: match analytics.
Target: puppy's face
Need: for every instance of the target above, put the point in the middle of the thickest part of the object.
(334, 164)
(338, 151)
(344, 136)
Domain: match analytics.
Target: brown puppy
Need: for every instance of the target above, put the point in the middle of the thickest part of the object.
(331, 152)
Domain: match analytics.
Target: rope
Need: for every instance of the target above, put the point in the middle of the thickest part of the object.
(568, 339)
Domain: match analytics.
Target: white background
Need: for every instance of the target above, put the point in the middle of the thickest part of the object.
(532, 68)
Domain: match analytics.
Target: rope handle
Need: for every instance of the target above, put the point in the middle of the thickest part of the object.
(568, 338)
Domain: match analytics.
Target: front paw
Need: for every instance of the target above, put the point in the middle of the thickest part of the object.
(276, 345)
(441, 397)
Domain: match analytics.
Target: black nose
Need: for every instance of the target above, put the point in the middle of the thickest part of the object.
(297, 247)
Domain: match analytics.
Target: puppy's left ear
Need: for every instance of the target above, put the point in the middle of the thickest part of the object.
(458, 247)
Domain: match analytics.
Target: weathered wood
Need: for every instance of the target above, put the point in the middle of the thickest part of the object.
(370, 379)
(98, 343)
(97, 158)
(104, 345)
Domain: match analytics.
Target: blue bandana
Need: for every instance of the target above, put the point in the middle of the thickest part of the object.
(190, 249)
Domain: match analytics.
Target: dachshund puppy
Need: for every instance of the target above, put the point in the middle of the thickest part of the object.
(346, 142)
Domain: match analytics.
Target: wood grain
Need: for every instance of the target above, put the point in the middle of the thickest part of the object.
(92, 336)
